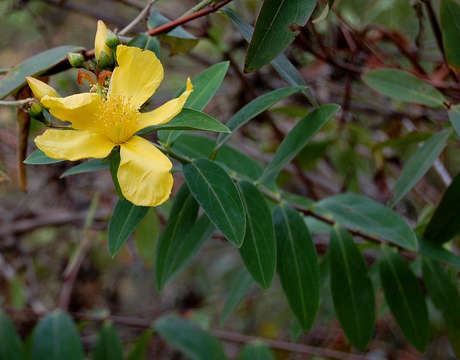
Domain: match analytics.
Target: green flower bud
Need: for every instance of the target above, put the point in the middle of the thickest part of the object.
(105, 61)
(35, 110)
(75, 59)
(112, 40)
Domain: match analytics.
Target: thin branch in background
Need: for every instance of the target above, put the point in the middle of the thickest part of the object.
(21, 102)
(144, 12)
(438, 36)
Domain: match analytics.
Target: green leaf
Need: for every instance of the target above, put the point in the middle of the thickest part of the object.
(437, 252)
(259, 247)
(181, 219)
(196, 147)
(297, 264)
(87, 166)
(205, 85)
(454, 117)
(297, 138)
(193, 341)
(108, 346)
(125, 218)
(114, 164)
(273, 29)
(351, 288)
(34, 66)
(254, 108)
(218, 196)
(450, 27)
(146, 235)
(189, 119)
(360, 213)
(238, 289)
(444, 224)
(38, 157)
(56, 338)
(281, 63)
(186, 249)
(405, 298)
(402, 86)
(256, 351)
(139, 348)
(180, 40)
(419, 164)
(146, 42)
(11, 347)
(442, 290)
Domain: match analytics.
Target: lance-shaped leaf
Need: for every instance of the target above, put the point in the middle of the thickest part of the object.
(238, 289)
(181, 219)
(281, 63)
(189, 119)
(205, 85)
(454, 117)
(437, 252)
(296, 140)
(108, 346)
(450, 27)
(33, 66)
(444, 224)
(55, 338)
(405, 298)
(351, 288)
(256, 351)
(140, 347)
(442, 288)
(274, 29)
(87, 166)
(146, 42)
(189, 338)
(38, 157)
(259, 247)
(370, 217)
(196, 147)
(402, 86)
(297, 264)
(125, 218)
(11, 347)
(218, 196)
(254, 108)
(419, 164)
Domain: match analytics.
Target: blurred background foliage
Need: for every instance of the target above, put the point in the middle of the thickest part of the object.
(363, 152)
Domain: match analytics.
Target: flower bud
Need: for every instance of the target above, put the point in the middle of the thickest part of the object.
(112, 40)
(75, 59)
(100, 40)
(105, 61)
(35, 110)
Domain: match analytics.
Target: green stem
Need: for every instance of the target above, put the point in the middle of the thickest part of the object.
(202, 4)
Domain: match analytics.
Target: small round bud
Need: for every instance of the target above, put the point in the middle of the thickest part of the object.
(105, 61)
(112, 40)
(35, 110)
(75, 59)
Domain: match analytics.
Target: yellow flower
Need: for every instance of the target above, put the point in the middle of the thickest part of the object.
(99, 124)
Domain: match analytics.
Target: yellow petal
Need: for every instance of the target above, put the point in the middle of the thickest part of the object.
(138, 75)
(143, 174)
(165, 112)
(73, 144)
(40, 89)
(79, 109)
(99, 41)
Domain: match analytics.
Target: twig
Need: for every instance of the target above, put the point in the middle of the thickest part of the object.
(202, 4)
(4, 70)
(173, 24)
(71, 271)
(17, 102)
(137, 19)
(438, 35)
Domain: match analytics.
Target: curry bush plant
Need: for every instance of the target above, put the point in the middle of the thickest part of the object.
(333, 185)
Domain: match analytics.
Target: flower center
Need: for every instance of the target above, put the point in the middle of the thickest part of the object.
(117, 119)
